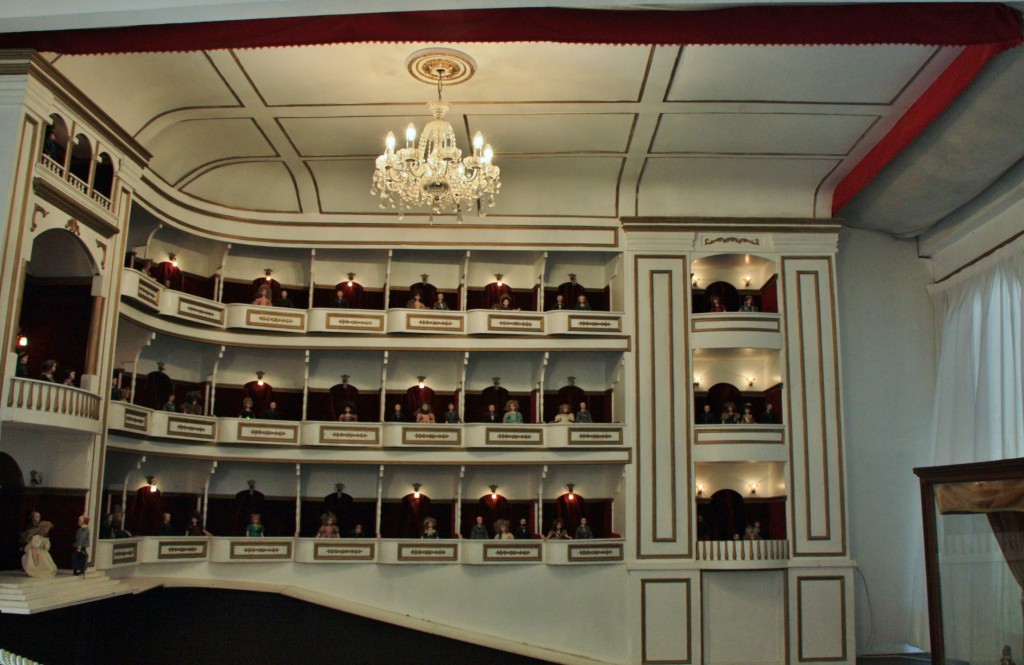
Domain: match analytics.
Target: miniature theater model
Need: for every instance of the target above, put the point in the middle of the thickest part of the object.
(222, 376)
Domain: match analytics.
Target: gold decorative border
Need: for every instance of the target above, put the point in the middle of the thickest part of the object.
(408, 429)
(687, 553)
(370, 548)
(138, 414)
(260, 542)
(533, 319)
(375, 431)
(299, 316)
(827, 269)
(535, 548)
(495, 431)
(572, 557)
(694, 323)
(186, 421)
(579, 317)
(618, 441)
(800, 617)
(378, 318)
(402, 547)
(219, 320)
(203, 546)
(116, 551)
(294, 427)
(461, 320)
(687, 582)
(149, 293)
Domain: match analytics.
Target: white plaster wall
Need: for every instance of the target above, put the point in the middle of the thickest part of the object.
(888, 382)
(63, 458)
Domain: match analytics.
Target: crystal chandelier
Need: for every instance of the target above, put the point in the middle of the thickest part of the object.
(431, 172)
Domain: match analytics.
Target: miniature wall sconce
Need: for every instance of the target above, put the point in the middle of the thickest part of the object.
(696, 382)
(416, 490)
(174, 259)
(259, 377)
(422, 381)
(746, 280)
(268, 272)
(753, 488)
(152, 483)
(572, 494)
(351, 276)
(750, 381)
(700, 489)
(497, 278)
(494, 492)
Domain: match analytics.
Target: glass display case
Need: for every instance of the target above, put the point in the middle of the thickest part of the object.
(974, 560)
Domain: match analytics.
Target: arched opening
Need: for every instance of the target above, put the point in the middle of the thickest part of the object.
(56, 305)
(103, 178)
(12, 490)
(55, 144)
(81, 162)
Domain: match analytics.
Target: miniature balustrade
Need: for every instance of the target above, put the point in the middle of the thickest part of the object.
(742, 550)
(38, 402)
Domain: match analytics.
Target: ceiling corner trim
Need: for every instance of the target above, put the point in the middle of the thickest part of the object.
(929, 106)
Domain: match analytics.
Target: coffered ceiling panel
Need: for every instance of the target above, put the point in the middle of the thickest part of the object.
(376, 73)
(807, 74)
(250, 186)
(185, 146)
(343, 185)
(555, 133)
(730, 186)
(559, 186)
(155, 82)
(760, 133)
(347, 136)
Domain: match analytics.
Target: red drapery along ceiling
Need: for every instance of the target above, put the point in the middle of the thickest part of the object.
(984, 29)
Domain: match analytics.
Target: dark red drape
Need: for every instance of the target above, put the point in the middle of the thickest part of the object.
(570, 510)
(415, 397)
(167, 274)
(247, 503)
(493, 294)
(261, 396)
(414, 512)
(342, 395)
(146, 512)
(934, 24)
(353, 294)
(275, 288)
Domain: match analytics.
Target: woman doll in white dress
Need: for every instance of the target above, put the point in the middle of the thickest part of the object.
(37, 561)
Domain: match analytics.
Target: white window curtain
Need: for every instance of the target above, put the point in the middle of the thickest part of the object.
(978, 415)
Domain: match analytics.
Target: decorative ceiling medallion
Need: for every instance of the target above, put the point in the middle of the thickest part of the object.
(452, 66)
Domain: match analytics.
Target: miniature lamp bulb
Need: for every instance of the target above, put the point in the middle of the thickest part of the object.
(700, 489)
(416, 490)
(390, 142)
(478, 142)
(259, 379)
(174, 259)
(488, 154)
(750, 380)
(746, 280)
(351, 277)
(498, 279)
(410, 135)
(494, 492)
(423, 382)
(753, 488)
(572, 493)
(22, 341)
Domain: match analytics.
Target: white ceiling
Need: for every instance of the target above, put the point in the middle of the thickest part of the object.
(580, 131)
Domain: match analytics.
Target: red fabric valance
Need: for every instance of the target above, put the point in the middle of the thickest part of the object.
(937, 24)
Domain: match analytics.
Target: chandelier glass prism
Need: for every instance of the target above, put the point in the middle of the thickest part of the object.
(431, 172)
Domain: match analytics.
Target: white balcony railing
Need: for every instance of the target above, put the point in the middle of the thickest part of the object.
(31, 400)
(51, 165)
(339, 551)
(102, 200)
(742, 550)
(147, 292)
(139, 420)
(78, 183)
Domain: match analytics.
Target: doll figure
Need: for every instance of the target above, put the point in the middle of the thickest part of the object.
(255, 527)
(512, 414)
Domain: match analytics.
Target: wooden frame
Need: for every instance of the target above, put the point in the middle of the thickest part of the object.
(1011, 469)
